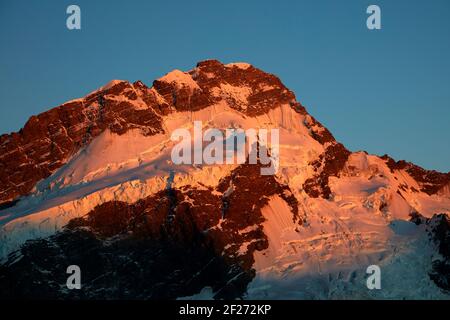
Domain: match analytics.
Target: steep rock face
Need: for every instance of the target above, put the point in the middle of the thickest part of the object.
(48, 140)
(430, 181)
(330, 163)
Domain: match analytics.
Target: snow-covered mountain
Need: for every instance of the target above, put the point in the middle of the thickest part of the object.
(91, 183)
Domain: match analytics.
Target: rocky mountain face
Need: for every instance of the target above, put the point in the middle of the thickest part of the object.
(91, 183)
(48, 140)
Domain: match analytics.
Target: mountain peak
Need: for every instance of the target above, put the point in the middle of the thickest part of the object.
(102, 167)
(111, 84)
(180, 79)
(119, 106)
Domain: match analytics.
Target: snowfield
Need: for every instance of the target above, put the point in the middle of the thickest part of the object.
(328, 258)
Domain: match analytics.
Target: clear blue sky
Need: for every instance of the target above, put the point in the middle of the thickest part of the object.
(384, 91)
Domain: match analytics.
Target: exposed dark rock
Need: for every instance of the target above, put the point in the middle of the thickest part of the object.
(431, 181)
(330, 163)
